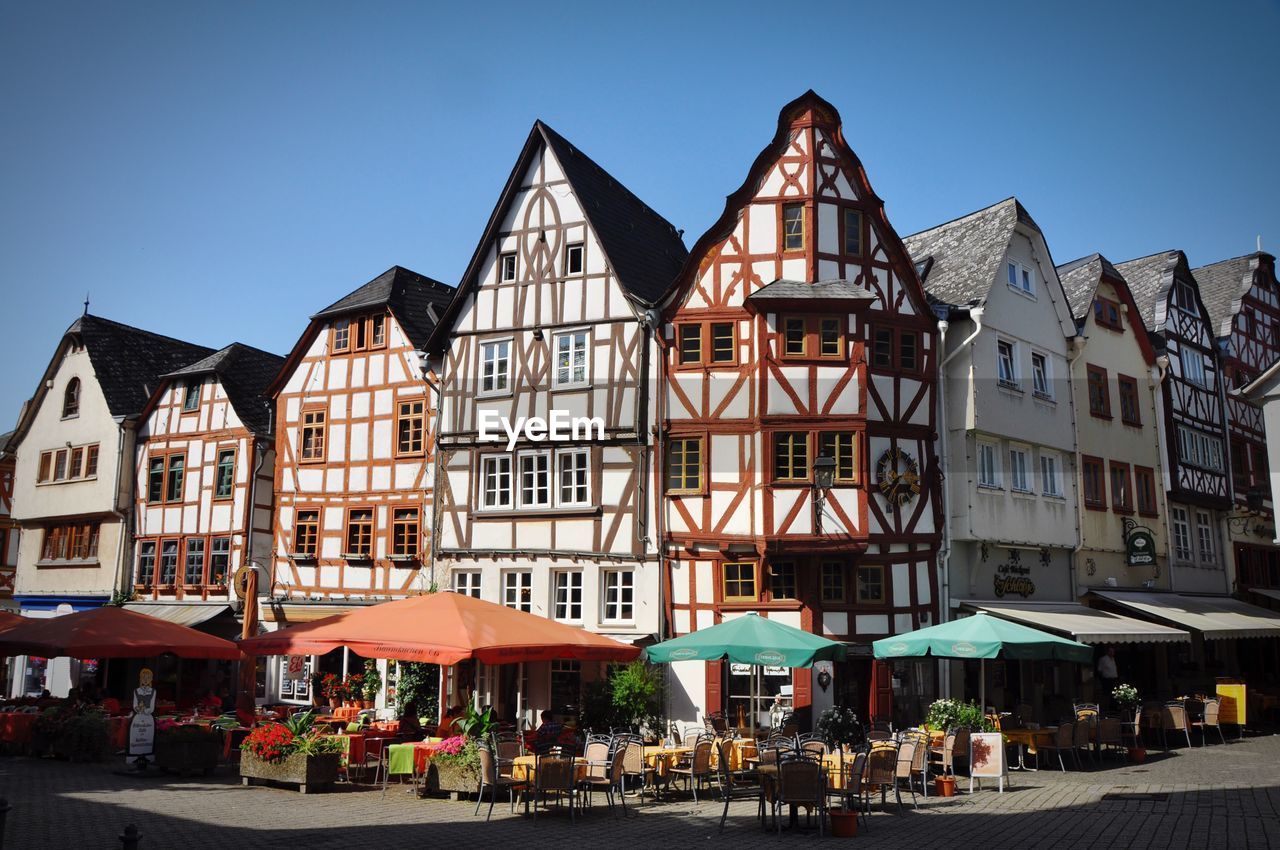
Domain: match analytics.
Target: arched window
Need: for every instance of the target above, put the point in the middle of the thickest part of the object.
(71, 399)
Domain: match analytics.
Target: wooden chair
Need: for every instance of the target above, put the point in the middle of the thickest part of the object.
(1173, 718)
(1063, 741)
(490, 779)
(699, 769)
(1111, 735)
(610, 782)
(882, 770)
(908, 749)
(554, 775)
(597, 756)
(731, 788)
(852, 785)
(1082, 738)
(1209, 720)
(801, 782)
(633, 765)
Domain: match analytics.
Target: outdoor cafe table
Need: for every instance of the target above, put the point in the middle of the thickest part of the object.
(663, 759)
(1027, 740)
(355, 743)
(525, 768)
(409, 759)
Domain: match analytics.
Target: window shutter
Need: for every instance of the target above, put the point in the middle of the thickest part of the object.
(802, 685)
(881, 707)
(715, 693)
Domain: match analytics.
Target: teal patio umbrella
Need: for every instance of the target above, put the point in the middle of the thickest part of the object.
(982, 636)
(750, 639)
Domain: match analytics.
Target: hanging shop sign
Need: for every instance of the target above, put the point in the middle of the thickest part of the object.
(1139, 547)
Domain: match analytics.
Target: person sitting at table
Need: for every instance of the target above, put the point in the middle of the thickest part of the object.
(410, 725)
(548, 734)
(446, 729)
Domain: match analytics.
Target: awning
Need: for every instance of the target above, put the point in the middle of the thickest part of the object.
(1267, 592)
(630, 638)
(1087, 625)
(1215, 617)
(183, 615)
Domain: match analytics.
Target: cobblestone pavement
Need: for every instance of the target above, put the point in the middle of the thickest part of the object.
(1220, 796)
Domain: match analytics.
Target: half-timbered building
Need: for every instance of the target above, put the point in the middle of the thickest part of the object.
(9, 532)
(355, 416)
(798, 427)
(204, 471)
(550, 335)
(73, 494)
(1193, 421)
(1243, 301)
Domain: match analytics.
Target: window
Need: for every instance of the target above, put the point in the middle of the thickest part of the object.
(1130, 413)
(219, 561)
(791, 456)
(1239, 465)
(566, 683)
(71, 399)
(193, 573)
(1199, 449)
(724, 343)
(1184, 297)
(410, 427)
(782, 580)
(341, 335)
(1206, 538)
(1107, 313)
(1144, 479)
(517, 590)
(1007, 363)
(870, 583)
(91, 460)
(1181, 533)
(833, 582)
(1041, 382)
(77, 460)
(467, 583)
(1262, 470)
(793, 337)
(1050, 474)
(1021, 277)
(893, 348)
(1019, 474)
(571, 359)
(568, 595)
(495, 482)
(852, 233)
(313, 431)
(60, 465)
(841, 446)
(377, 331)
(573, 258)
(71, 464)
(740, 581)
(191, 397)
(225, 474)
(793, 227)
(684, 465)
(988, 465)
(495, 366)
(1193, 366)
(619, 595)
(145, 573)
(507, 266)
(908, 351)
(882, 349)
(174, 478)
(168, 563)
(573, 466)
(1095, 486)
(359, 533)
(46, 467)
(405, 530)
(535, 479)
(1121, 489)
(1099, 397)
(830, 339)
(306, 533)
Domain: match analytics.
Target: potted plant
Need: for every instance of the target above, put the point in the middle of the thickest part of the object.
(840, 728)
(292, 752)
(353, 687)
(186, 749)
(318, 696)
(454, 766)
(1126, 697)
(636, 694)
(333, 689)
(372, 683)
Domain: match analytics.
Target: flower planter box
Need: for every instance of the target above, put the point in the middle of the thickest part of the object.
(188, 757)
(309, 773)
(445, 776)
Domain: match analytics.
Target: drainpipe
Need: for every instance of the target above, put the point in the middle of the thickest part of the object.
(260, 452)
(944, 459)
(1077, 342)
(1159, 372)
(124, 515)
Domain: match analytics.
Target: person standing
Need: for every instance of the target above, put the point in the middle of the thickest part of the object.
(1108, 677)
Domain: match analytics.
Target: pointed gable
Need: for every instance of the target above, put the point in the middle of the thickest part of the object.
(245, 373)
(1080, 280)
(415, 300)
(964, 254)
(1224, 285)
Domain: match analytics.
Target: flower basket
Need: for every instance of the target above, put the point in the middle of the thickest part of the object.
(844, 822)
(188, 756)
(450, 776)
(308, 772)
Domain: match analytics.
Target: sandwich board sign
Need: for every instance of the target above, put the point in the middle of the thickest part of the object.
(986, 758)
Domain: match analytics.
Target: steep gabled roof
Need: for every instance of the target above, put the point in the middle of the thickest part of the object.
(1223, 286)
(5, 439)
(245, 373)
(128, 362)
(1080, 280)
(966, 252)
(643, 249)
(1149, 279)
(416, 301)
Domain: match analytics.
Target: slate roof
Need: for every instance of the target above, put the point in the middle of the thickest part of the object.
(1222, 288)
(1080, 281)
(245, 373)
(416, 301)
(129, 362)
(1149, 279)
(4, 441)
(967, 252)
(791, 290)
(644, 249)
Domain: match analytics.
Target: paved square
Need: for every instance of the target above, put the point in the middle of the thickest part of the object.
(1220, 796)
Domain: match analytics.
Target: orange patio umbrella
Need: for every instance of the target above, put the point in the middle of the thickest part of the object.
(442, 628)
(109, 632)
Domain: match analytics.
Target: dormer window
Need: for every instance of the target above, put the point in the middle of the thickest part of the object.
(71, 399)
(1107, 313)
(341, 335)
(360, 333)
(191, 397)
(1184, 297)
(793, 227)
(573, 258)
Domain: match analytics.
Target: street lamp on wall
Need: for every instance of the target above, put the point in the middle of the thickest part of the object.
(824, 475)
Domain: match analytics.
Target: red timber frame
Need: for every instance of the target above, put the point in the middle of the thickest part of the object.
(744, 514)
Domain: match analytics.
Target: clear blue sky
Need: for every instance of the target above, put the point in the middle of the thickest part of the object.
(218, 171)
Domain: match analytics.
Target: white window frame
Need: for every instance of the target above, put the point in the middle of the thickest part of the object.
(569, 584)
(513, 583)
(1020, 277)
(503, 277)
(1206, 540)
(541, 458)
(993, 481)
(611, 609)
(493, 381)
(498, 504)
(579, 345)
(1013, 381)
(1199, 449)
(1181, 528)
(468, 583)
(1041, 375)
(1051, 478)
(569, 250)
(1187, 356)
(1019, 471)
(581, 498)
